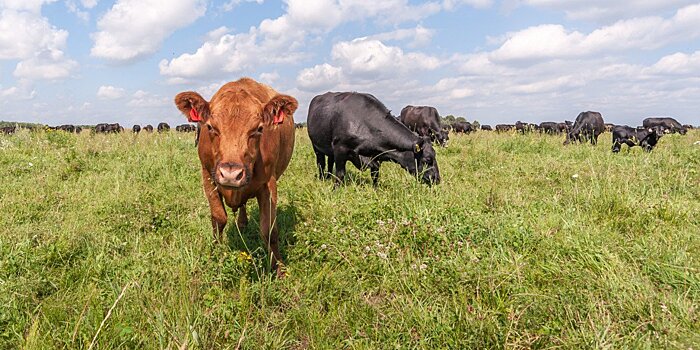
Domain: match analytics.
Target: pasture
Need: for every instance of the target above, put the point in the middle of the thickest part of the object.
(525, 244)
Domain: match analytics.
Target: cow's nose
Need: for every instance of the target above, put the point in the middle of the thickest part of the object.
(230, 175)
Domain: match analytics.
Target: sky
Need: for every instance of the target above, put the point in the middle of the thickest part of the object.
(91, 61)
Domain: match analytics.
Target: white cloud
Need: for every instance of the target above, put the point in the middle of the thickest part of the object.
(231, 4)
(269, 78)
(554, 41)
(677, 64)
(143, 99)
(88, 4)
(606, 10)
(36, 33)
(24, 90)
(450, 4)
(73, 8)
(361, 61)
(372, 59)
(281, 40)
(49, 65)
(134, 29)
(33, 6)
(40, 50)
(109, 92)
(320, 77)
(418, 36)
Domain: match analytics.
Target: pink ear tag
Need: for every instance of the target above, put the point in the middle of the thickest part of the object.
(194, 116)
(279, 118)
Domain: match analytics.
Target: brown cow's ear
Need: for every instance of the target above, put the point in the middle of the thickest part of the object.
(278, 108)
(193, 106)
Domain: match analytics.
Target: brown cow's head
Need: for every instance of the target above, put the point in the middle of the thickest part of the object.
(235, 122)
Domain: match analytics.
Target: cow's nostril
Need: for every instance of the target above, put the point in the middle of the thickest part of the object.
(240, 176)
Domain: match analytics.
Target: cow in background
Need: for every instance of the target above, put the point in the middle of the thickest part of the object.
(425, 121)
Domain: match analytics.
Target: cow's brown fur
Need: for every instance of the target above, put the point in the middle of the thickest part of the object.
(230, 125)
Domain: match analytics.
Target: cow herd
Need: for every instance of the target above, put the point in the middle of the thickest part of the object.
(247, 140)
(103, 128)
(587, 127)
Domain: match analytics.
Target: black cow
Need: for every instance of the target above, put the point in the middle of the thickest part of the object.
(136, 128)
(299, 125)
(148, 128)
(463, 127)
(486, 127)
(108, 128)
(504, 127)
(8, 130)
(356, 127)
(186, 128)
(66, 127)
(163, 127)
(609, 127)
(646, 138)
(425, 121)
(552, 127)
(588, 126)
(668, 124)
(688, 127)
(525, 127)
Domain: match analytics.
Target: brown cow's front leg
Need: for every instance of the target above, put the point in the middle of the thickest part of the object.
(216, 206)
(267, 201)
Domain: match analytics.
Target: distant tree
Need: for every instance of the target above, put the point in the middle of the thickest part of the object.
(448, 119)
(476, 124)
(460, 119)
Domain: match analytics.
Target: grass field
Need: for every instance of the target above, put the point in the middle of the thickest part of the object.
(525, 244)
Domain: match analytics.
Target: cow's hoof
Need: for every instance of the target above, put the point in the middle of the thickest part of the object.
(282, 271)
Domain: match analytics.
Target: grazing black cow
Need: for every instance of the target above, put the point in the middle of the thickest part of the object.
(8, 130)
(463, 127)
(136, 128)
(646, 138)
(504, 127)
(549, 128)
(148, 128)
(163, 127)
(425, 121)
(186, 128)
(66, 127)
(688, 127)
(108, 128)
(588, 126)
(668, 124)
(356, 127)
(486, 127)
(609, 127)
(525, 127)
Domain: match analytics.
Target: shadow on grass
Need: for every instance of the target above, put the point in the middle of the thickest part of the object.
(250, 240)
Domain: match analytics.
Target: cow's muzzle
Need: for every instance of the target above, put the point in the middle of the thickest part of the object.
(232, 175)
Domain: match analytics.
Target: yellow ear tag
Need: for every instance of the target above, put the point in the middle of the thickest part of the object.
(417, 148)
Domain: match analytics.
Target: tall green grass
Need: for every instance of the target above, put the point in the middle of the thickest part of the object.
(525, 244)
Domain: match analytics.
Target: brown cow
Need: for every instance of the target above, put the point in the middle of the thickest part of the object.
(245, 146)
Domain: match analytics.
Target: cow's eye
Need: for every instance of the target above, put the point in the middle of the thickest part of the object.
(260, 129)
